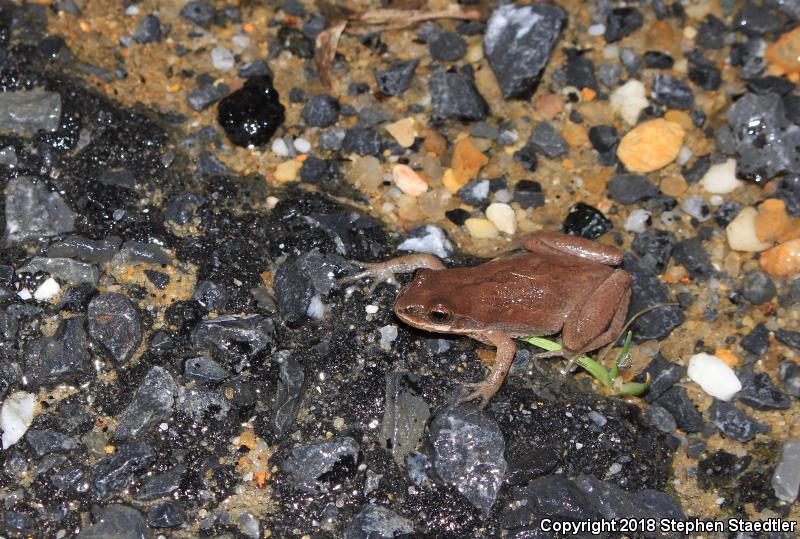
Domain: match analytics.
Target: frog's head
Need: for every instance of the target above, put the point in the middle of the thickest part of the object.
(427, 303)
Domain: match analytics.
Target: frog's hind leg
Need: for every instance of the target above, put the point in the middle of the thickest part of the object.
(553, 243)
(598, 320)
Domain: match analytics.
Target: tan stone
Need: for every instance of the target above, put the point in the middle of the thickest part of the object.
(408, 181)
(403, 131)
(783, 56)
(576, 135)
(783, 260)
(772, 221)
(674, 186)
(467, 160)
(549, 105)
(434, 142)
(480, 228)
(650, 145)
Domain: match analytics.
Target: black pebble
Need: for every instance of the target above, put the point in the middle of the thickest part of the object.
(528, 194)
(447, 47)
(622, 22)
(585, 220)
(457, 216)
(658, 60)
(757, 341)
(252, 114)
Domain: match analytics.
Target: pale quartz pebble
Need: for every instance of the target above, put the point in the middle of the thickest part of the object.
(403, 131)
(480, 228)
(367, 172)
(433, 241)
(786, 478)
(16, 416)
(24, 294)
(741, 232)
(279, 147)
(714, 376)
(637, 220)
(222, 58)
(388, 335)
(316, 309)
(371, 309)
(684, 155)
(610, 52)
(596, 30)
(721, 179)
(408, 181)
(434, 203)
(629, 100)
(689, 32)
(47, 290)
(715, 200)
(240, 41)
(502, 216)
(503, 195)
(302, 145)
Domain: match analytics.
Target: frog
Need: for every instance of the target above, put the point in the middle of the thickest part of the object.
(559, 283)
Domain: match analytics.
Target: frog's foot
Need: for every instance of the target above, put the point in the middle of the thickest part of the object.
(379, 273)
(478, 390)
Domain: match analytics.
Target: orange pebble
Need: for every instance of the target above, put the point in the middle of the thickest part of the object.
(772, 221)
(549, 105)
(783, 260)
(783, 56)
(587, 94)
(727, 357)
(467, 160)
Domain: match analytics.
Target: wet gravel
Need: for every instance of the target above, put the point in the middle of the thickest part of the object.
(180, 357)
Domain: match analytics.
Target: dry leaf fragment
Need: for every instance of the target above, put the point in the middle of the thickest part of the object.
(325, 49)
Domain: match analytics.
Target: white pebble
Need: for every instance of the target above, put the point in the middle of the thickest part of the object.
(371, 309)
(741, 232)
(240, 41)
(279, 148)
(388, 335)
(714, 376)
(316, 309)
(637, 221)
(715, 200)
(721, 179)
(24, 294)
(130, 11)
(596, 29)
(433, 242)
(503, 195)
(222, 58)
(696, 207)
(629, 100)
(610, 52)
(47, 290)
(502, 216)
(302, 145)
(16, 416)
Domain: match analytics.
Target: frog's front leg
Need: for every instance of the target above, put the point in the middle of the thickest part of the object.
(551, 242)
(506, 348)
(384, 272)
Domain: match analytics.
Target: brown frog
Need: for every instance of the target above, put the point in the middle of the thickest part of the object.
(562, 284)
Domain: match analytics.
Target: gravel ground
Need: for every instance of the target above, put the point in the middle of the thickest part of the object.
(186, 183)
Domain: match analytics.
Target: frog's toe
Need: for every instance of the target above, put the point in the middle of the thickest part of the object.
(479, 392)
(377, 272)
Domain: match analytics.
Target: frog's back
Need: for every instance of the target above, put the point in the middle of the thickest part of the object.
(526, 293)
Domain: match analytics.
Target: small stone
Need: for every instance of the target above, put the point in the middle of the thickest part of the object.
(199, 12)
(455, 97)
(631, 188)
(289, 394)
(677, 402)
(580, 71)
(113, 473)
(467, 450)
(711, 33)
(727, 212)
(320, 111)
(773, 223)
(672, 92)
(786, 478)
(481, 228)
(502, 216)
(114, 323)
(47, 290)
(661, 418)
(44, 442)
(206, 95)
(396, 79)
(447, 47)
(287, 170)
(93, 251)
(693, 257)
(403, 131)
(697, 207)
(673, 186)
(33, 211)
(604, 139)
(63, 357)
(721, 179)
(649, 290)
(528, 194)
(609, 74)
(629, 100)
(302, 145)
(650, 146)
(734, 422)
(429, 239)
(405, 416)
(783, 260)
(361, 141)
(789, 338)
(293, 292)
(202, 404)
(307, 466)
(252, 114)
(545, 139)
(222, 59)
(663, 375)
(759, 392)
(758, 288)
(376, 522)
(16, 415)
(741, 234)
(26, 112)
(148, 30)
(254, 68)
(586, 221)
(714, 376)
(638, 220)
(518, 42)
(165, 514)
(116, 521)
(467, 161)
(622, 22)
(757, 341)
(408, 181)
(657, 60)
(655, 248)
(150, 405)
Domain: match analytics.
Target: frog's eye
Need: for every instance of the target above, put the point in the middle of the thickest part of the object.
(439, 315)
